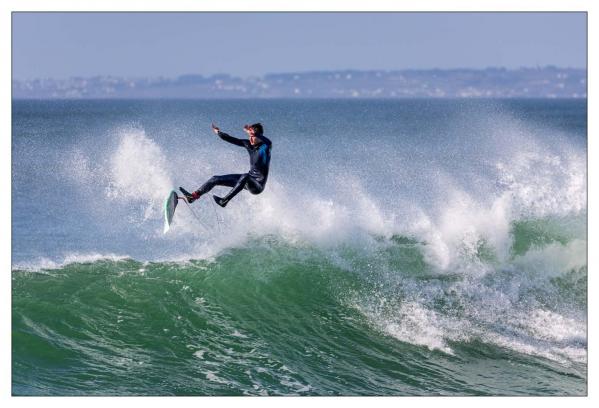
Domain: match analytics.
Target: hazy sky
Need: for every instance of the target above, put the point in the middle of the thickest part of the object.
(60, 45)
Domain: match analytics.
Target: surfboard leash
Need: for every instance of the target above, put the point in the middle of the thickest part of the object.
(194, 214)
(216, 216)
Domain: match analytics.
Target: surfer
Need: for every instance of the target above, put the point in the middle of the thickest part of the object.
(258, 147)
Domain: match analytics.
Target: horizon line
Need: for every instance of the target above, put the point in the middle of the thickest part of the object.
(312, 71)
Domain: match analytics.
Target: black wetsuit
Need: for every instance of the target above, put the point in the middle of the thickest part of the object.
(255, 180)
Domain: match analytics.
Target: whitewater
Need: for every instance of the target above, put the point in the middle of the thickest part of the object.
(401, 247)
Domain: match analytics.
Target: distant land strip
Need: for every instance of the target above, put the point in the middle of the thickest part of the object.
(537, 82)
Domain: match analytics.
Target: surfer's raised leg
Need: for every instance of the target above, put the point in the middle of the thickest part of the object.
(229, 180)
(241, 183)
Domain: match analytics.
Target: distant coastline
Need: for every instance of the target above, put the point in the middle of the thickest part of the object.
(538, 82)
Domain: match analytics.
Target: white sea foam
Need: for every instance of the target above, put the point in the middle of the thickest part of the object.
(455, 219)
(415, 324)
(554, 259)
(455, 236)
(139, 172)
(494, 319)
(211, 376)
(237, 333)
(552, 326)
(543, 183)
(44, 263)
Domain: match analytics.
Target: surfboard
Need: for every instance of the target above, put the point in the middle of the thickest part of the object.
(170, 204)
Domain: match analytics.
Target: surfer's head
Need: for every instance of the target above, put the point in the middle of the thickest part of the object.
(258, 129)
(253, 130)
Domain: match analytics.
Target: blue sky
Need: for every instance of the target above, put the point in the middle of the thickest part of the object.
(60, 45)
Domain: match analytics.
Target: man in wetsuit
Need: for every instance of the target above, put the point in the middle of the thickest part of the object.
(258, 146)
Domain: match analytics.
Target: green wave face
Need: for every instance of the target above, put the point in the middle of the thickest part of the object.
(273, 318)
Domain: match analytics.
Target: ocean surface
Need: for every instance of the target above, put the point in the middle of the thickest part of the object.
(401, 247)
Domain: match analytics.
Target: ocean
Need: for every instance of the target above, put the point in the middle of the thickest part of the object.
(401, 247)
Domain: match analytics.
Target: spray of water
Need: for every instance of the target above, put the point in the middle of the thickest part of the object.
(469, 212)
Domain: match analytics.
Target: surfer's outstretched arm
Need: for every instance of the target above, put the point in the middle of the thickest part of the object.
(231, 139)
(227, 138)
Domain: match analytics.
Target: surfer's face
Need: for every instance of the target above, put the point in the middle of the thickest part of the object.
(251, 134)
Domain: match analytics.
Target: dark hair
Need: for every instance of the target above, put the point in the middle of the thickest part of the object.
(257, 128)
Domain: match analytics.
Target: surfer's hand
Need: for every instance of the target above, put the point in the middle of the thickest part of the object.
(215, 129)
